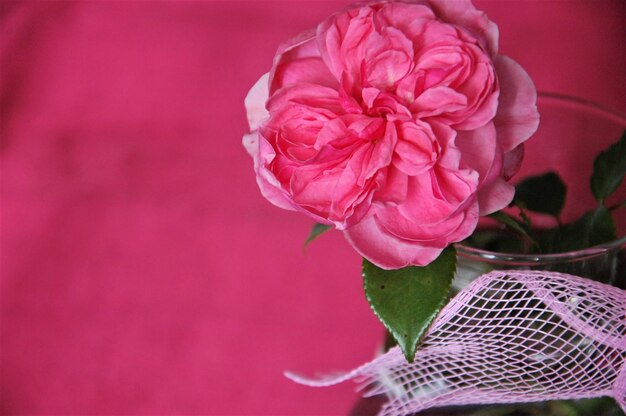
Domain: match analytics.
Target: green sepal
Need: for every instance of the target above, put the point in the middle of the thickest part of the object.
(407, 300)
(316, 231)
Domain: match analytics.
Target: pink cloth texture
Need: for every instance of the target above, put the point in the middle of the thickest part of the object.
(141, 270)
(511, 336)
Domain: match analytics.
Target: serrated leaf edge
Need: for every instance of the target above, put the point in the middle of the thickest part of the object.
(410, 357)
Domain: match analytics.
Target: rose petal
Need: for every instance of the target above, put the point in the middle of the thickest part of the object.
(302, 46)
(339, 40)
(409, 18)
(419, 147)
(381, 122)
(512, 162)
(372, 241)
(385, 250)
(270, 187)
(388, 58)
(430, 211)
(251, 143)
(322, 99)
(303, 70)
(517, 117)
(394, 189)
(437, 100)
(463, 13)
(480, 88)
(479, 148)
(495, 196)
(255, 102)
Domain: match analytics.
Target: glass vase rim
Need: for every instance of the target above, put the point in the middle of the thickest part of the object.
(522, 259)
(583, 103)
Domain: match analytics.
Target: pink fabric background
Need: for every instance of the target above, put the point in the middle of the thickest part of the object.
(142, 272)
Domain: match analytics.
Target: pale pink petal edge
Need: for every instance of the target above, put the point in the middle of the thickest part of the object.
(495, 196)
(517, 118)
(464, 14)
(255, 103)
(386, 251)
(389, 252)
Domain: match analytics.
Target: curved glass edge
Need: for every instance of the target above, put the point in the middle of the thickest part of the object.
(519, 259)
(516, 259)
(611, 113)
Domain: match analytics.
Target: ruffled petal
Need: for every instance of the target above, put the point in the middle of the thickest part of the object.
(463, 13)
(512, 162)
(394, 121)
(374, 242)
(495, 196)
(300, 62)
(481, 152)
(410, 18)
(385, 250)
(517, 117)
(263, 154)
(255, 102)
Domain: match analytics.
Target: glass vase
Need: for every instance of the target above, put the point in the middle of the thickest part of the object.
(571, 134)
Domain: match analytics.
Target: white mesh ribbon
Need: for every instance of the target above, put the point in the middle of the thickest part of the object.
(511, 336)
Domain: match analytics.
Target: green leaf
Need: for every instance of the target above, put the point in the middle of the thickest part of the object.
(600, 227)
(407, 300)
(609, 169)
(512, 223)
(563, 408)
(604, 406)
(593, 228)
(545, 193)
(508, 221)
(316, 231)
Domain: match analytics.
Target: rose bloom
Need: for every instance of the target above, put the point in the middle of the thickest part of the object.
(396, 122)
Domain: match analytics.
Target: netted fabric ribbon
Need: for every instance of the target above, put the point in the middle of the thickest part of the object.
(510, 336)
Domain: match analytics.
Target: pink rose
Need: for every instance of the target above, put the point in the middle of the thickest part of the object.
(396, 122)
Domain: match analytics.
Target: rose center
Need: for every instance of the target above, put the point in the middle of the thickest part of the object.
(376, 103)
